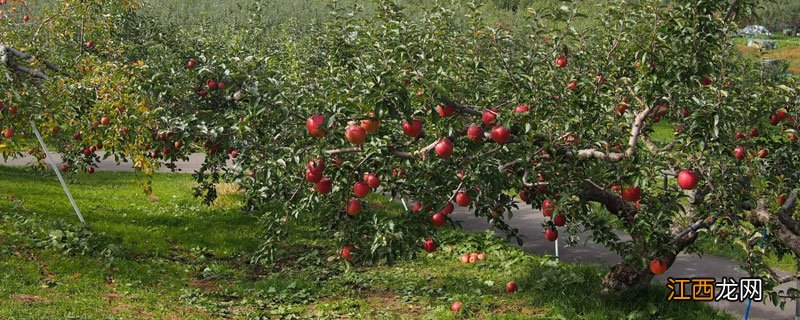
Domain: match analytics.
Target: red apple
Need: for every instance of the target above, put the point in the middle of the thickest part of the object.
(792, 136)
(77, 135)
(488, 117)
(313, 125)
(191, 64)
(211, 84)
(740, 136)
(354, 207)
(781, 199)
(462, 199)
(8, 133)
(500, 134)
(234, 154)
(202, 92)
(445, 110)
(739, 153)
(572, 85)
(601, 79)
(416, 207)
(26, 18)
(523, 195)
(687, 179)
(561, 61)
(360, 189)
(754, 133)
(413, 129)
(707, 81)
(64, 167)
(773, 120)
(548, 206)
(312, 176)
(622, 108)
(630, 193)
(474, 132)
(763, 153)
(324, 186)
(551, 234)
(439, 219)
(781, 114)
(511, 287)
(444, 148)
(317, 166)
(372, 181)
(370, 125)
(685, 112)
(355, 134)
(448, 208)
(345, 252)
(658, 266)
(481, 256)
(455, 306)
(560, 220)
(522, 108)
(464, 258)
(90, 170)
(429, 245)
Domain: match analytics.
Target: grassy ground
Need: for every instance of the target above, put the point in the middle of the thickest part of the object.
(788, 49)
(175, 259)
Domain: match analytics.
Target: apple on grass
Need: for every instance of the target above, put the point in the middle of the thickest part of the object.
(345, 252)
(456, 306)
(511, 287)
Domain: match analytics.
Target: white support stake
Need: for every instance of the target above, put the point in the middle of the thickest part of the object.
(556, 244)
(58, 174)
(404, 203)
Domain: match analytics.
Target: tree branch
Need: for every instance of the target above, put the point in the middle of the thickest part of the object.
(610, 200)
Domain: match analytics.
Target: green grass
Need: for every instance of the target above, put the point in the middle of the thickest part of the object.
(179, 260)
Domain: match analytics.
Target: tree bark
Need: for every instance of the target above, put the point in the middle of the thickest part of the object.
(625, 276)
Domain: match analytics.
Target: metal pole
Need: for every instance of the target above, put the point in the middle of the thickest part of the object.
(404, 203)
(556, 244)
(58, 174)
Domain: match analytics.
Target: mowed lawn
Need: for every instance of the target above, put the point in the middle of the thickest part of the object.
(177, 259)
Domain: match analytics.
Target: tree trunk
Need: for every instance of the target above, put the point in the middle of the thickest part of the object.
(625, 276)
(794, 30)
